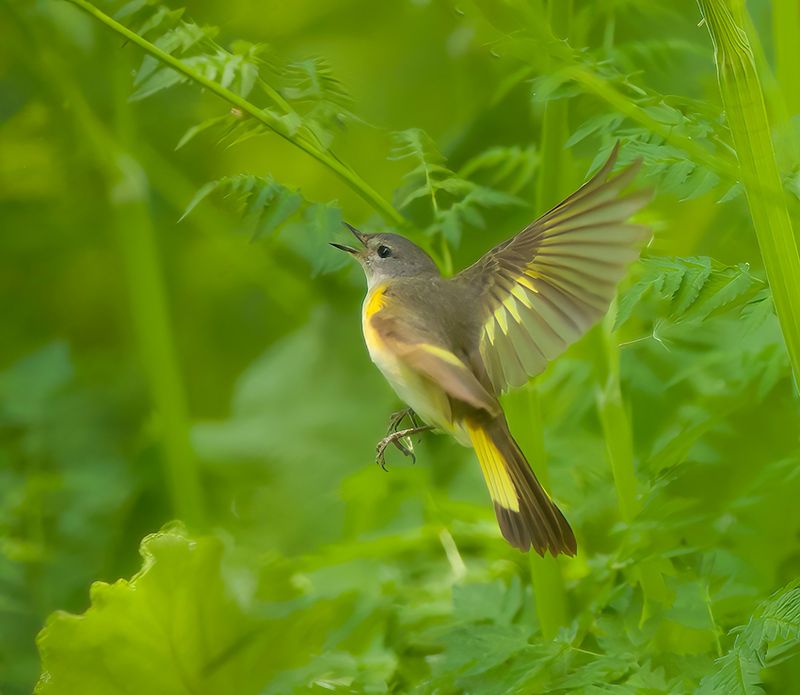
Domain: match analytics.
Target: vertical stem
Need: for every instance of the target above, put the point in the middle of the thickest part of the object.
(150, 314)
(128, 193)
(524, 414)
(618, 436)
(747, 117)
(551, 183)
(785, 30)
(775, 98)
(524, 409)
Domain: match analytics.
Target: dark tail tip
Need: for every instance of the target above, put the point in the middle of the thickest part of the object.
(537, 526)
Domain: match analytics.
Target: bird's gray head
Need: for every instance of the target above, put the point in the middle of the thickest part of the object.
(387, 256)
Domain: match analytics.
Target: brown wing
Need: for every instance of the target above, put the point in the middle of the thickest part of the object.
(545, 287)
(435, 362)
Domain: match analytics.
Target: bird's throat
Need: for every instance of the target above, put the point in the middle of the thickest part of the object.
(375, 301)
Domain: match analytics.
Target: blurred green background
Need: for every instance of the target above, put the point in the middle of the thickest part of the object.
(211, 370)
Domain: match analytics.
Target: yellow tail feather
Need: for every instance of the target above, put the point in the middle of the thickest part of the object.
(493, 465)
(527, 516)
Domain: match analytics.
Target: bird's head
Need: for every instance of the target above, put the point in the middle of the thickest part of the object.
(387, 256)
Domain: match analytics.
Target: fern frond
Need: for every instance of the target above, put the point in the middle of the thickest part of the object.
(182, 40)
(282, 124)
(319, 96)
(455, 201)
(690, 289)
(776, 623)
(507, 168)
(263, 203)
(467, 211)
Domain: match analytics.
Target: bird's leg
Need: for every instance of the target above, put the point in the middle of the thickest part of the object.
(396, 419)
(394, 438)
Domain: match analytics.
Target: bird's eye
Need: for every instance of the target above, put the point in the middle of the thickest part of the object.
(384, 251)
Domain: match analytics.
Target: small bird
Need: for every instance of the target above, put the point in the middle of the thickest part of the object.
(450, 345)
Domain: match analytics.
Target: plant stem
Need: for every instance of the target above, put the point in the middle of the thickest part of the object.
(526, 410)
(151, 317)
(524, 414)
(351, 178)
(618, 436)
(551, 184)
(744, 106)
(785, 30)
(134, 229)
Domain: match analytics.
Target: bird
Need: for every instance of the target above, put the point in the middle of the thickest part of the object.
(449, 346)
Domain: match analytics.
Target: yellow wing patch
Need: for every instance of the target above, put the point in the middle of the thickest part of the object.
(493, 465)
(520, 294)
(545, 287)
(442, 354)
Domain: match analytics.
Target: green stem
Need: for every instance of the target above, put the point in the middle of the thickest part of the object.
(134, 229)
(553, 170)
(618, 436)
(524, 413)
(525, 407)
(747, 118)
(785, 30)
(151, 319)
(616, 426)
(352, 179)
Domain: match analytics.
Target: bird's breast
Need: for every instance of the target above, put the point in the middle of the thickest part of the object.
(427, 399)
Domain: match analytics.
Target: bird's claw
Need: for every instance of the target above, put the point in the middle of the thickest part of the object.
(396, 419)
(395, 439)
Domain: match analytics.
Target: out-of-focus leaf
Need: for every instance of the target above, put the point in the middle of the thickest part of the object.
(174, 626)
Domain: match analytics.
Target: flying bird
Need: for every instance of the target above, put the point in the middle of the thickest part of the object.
(449, 346)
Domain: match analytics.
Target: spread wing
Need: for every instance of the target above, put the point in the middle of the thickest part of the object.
(545, 287)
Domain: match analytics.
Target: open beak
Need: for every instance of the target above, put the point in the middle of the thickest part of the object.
(342, 247)
(358, 235)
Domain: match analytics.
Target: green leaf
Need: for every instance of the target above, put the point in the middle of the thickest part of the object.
(195, 130)
(690, 289)
(322, 222)
(740, 670)
(173, 628)
(265, 204)
(27, 388)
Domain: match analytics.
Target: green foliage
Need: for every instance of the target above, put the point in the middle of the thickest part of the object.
(692, 289)
(263, 203)
(767, 639)
(310, 569)
(173, 627)
(454, 201)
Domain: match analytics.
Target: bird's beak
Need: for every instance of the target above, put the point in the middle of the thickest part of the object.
(358, 235)
(342, 247)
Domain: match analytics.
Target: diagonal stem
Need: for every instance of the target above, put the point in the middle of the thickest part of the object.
(344, 172)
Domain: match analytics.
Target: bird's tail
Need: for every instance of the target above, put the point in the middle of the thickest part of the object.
(526, 514)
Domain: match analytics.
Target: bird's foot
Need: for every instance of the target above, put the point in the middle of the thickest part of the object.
(395, 438)
(396, 419)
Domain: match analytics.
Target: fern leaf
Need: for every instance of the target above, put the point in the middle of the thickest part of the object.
(692, 289)
(509, 168)
(264, 203)
(195, 130)
(776, 619)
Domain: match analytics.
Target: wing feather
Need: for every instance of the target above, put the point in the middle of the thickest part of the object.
(544, 288)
